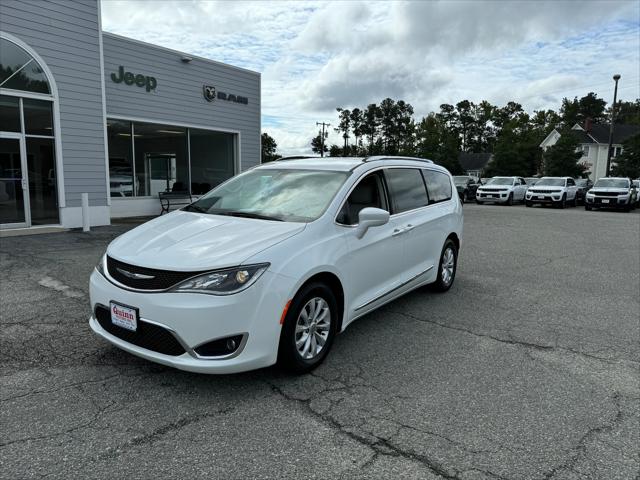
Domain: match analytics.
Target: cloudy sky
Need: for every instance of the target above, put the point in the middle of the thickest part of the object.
(315, 56)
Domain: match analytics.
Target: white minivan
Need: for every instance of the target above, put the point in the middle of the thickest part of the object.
(269, 266)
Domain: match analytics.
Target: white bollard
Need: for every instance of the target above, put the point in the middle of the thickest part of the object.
(85, 212)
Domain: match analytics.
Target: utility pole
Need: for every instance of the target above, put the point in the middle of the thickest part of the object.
(322, 135)
(616, 77)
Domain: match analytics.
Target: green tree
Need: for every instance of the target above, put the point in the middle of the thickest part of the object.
(517, 150)
(344, 126)
(318, 144)
(336, 151)
(627, 164)
(626, 112)
(356, 126)
(578, 110)
(269, 146)
(562, 159)
(370, 125)
(436, 141)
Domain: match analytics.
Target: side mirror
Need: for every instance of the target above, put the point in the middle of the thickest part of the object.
(370, 217)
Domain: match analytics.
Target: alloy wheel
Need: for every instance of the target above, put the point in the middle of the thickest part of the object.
(448, 265)
(312, 328)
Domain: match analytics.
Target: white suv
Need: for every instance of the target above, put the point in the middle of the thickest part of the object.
(556, 191)
(611, 192)
(502, 190)
(272, 264)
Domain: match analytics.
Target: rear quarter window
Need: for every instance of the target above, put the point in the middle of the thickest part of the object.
(438, 186)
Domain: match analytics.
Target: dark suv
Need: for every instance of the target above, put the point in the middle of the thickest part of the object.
(584, 185)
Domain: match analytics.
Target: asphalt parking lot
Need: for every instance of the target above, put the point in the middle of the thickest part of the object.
(528, 368)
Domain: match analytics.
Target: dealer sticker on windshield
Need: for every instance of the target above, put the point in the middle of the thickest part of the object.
(124, 317)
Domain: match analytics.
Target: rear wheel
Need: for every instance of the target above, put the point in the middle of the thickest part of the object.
(309, 329)
(447, 267)
(574, 203)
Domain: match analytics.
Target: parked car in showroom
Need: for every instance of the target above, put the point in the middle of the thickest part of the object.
(466, 187)
(502, 190)
(270, 265)
(556, 191)
(584, 185)
(612, 192)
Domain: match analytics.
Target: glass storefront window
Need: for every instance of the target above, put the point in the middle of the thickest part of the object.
(9, 113)
(212, 159)
(38, 117)
(120, 158)
(162, 162)
(19, 70)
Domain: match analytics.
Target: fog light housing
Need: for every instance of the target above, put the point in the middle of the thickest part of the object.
(220, 347)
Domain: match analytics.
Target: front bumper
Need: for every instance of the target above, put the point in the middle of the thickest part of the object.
(194, 319)
(607, 202)
(543, 197)
(497, 197)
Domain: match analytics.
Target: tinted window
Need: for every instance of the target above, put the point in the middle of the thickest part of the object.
(570, 182)
(368, 193)
(438, 185)
(406, 188)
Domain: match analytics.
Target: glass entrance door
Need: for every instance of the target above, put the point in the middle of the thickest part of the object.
(14, 197)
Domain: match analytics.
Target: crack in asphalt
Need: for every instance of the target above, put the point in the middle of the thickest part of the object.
(380, 445)
(520, 343)
(161, 431)
(580, 448)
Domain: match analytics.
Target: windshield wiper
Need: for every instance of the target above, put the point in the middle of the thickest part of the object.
(253, 215)
(238, 213)
(195, 208)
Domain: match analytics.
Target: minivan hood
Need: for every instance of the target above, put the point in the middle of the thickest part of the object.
(185, 241)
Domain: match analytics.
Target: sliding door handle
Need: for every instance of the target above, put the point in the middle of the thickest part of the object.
(397, 231)
(408, 228)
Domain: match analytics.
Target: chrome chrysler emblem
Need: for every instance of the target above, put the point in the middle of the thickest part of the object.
(137, 276)
(209, 92)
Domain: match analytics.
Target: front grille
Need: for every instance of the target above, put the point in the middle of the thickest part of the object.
(161, 279)
(606, 194)
(149, 336)
(535, 190)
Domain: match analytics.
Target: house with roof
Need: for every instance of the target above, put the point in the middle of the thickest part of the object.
(593, 141)
(474, 164)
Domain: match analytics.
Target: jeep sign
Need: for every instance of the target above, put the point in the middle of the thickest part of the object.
(129, 78)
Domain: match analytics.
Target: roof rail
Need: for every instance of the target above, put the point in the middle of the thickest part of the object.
(393, 157)
(294, 157)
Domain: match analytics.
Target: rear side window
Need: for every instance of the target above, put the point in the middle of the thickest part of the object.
(438, 185)
(406, 189)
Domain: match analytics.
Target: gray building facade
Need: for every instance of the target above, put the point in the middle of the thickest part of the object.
(84, 111)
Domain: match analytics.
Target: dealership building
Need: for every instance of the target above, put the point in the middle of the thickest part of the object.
(85, 111)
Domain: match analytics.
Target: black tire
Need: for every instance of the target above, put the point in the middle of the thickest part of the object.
(587, 208)
(288, 356)
(527, 203)
(478, 202)
(563, 203)
(440, 285)
(574, 203)
(510, 199)
(461, 196)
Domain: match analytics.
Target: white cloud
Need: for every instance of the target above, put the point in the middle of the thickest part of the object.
(316, 56)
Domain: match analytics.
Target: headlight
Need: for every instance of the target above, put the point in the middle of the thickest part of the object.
(223, 282)
(100, 265)
(589, 194)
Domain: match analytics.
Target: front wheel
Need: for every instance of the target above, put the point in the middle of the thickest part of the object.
(587, 208)
(527, 203)
(447, 267)
(309, 329)
(510, 199)
(563, 203)
(478, 202)
(574, 203)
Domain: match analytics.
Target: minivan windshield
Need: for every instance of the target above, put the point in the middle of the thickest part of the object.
(551, 182)
(500, 181)
(290, 195)
(612, 183)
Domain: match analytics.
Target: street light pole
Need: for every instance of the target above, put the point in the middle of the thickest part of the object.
(616, 77)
